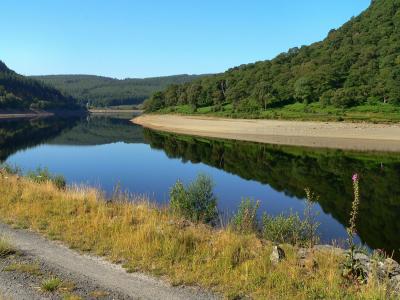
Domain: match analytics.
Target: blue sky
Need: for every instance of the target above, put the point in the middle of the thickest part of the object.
(128, 38)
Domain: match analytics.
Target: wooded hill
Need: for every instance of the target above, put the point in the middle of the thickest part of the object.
(21, 93)
(104, 91)
(354, 65)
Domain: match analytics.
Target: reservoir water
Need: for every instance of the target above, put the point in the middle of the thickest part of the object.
(106, 151)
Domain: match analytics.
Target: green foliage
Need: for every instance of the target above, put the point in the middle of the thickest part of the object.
(354, 64)
(51, 285)
(43, 175)
(19, 92)
(245, 220)
(284, 229)
(195, 202)
(103, 91)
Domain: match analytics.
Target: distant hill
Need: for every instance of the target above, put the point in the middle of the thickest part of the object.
(104, 91)
(18, 92)
(354, 65)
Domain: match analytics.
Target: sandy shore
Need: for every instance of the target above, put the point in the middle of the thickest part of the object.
(24, 115)
(351, 136)
(113, 111)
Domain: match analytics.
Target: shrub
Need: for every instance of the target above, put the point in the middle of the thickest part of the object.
(291, 228)
(43, 175)
(283, 228)
(245, 220)
(196, 202)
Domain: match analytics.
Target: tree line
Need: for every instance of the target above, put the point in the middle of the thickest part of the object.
(98, 91)
(20, 92)
(356, 64)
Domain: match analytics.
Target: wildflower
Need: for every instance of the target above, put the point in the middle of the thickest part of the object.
(356, 203)
(355, 177)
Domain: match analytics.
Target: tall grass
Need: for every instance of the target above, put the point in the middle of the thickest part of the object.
(149, 239)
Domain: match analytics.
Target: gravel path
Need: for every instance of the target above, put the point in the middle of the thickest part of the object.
(87, 272)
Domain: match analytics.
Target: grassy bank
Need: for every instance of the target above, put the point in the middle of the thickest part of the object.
(151, 239)
(385, 113)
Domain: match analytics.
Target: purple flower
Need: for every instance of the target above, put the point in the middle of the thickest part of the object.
(355, 177)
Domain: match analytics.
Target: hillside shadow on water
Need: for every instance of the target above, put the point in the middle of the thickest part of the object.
(21, 134)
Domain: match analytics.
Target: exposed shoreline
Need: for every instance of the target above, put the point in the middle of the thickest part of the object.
(25, 115)
(113, 111)
(4, 114)
(337, 135)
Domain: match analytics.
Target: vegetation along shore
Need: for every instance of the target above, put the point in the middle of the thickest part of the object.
(185, 243)
(352, 74)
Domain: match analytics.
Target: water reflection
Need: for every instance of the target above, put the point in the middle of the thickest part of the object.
(290, 169)
(104, 151)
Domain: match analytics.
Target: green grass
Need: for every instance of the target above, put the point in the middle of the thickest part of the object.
(298, 111)
(6, 248)
(51, 284)
(33, 269)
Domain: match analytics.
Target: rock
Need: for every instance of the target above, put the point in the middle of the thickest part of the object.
(391, 267)
(394, 285)
(277, 255)
(364, 263)
(303, 253)
(306, 259)
(359, 256)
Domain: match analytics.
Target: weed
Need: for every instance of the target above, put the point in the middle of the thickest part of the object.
(352, 268)
(33, 269)
(245, 220)
(6, 248)
(51, 285)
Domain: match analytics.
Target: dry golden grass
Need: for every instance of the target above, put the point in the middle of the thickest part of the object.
(145, 238)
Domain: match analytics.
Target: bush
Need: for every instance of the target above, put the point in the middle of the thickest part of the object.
(245, 220)
(291, 228)
(196, 202)
(283, 228)
(43, 175)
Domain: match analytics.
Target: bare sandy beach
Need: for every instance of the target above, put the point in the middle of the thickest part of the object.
(24, 115)
(350, 136)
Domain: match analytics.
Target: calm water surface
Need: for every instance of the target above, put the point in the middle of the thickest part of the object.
(108, 151)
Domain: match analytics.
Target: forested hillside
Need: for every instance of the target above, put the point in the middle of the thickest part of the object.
(357, 64)
(19, 92)
(103, 91)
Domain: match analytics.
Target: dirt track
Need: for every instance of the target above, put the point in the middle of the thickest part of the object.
(85, 271)
(340, 135)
